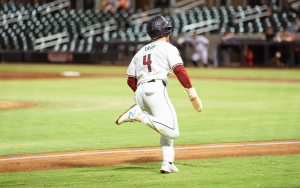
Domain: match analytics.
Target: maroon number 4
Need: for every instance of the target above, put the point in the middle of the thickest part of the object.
(148, 62)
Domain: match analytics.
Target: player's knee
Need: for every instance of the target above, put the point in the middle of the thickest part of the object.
(174, 134)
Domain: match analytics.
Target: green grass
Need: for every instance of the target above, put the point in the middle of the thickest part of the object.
(79, 114)
(60, 68)
(265, 171)
(228, 72)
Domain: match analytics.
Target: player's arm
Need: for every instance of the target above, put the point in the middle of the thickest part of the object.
(207, 43)
(176, 63)
(132, 82)
(182, 76)
(184, 79)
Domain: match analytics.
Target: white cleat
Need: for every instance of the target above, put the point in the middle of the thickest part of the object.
(131, 115)
(167, 168)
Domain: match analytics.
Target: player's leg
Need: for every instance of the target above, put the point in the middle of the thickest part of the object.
(195, 58)
(216, 58)
(167, 149)
(204, 55)
(159, 114)
(164, 119)
(168, 155)
(144, 107)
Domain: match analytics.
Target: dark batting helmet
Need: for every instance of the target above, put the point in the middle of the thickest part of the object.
(158, 27)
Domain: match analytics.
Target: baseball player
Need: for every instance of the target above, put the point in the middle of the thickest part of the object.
(200, 45)
(148, 75)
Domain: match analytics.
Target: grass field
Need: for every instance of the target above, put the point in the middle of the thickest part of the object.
(271, 171)
(79, 114)
(239, 73)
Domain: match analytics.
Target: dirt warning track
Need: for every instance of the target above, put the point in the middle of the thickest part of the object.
(19, 75)
(80, 159)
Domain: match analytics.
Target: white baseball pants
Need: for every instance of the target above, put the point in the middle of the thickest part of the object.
(159, 114)
(200, 54)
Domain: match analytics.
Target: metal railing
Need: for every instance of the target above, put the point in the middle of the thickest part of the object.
(14, 17)
(186, 5)
(52, 40)
(295, 4)
(145, 16)
(99, 28)
(290, 1)
(55, 5)
(251, 14)
(201, 27)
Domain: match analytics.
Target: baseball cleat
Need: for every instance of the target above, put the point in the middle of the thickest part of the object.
(131, 115)
(167, 168)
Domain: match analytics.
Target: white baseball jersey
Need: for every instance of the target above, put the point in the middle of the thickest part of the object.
(154, 61)
(200, 42)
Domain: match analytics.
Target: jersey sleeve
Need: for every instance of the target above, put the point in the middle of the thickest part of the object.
(174, 57)
(131, 68)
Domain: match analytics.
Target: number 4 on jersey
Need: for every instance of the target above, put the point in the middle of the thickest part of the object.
(148, 62)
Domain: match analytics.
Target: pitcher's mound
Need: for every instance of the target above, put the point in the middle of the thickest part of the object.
(16, 104)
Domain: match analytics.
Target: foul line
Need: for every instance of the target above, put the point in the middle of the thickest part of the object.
(127, 151)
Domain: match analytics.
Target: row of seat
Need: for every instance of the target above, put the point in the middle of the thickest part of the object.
(22, 34)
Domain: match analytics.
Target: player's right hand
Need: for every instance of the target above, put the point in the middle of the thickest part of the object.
(196, 102)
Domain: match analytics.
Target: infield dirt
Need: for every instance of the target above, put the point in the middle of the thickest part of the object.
(16, 104)
(80, 159)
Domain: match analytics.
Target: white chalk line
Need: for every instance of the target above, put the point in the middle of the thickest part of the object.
(127, 151)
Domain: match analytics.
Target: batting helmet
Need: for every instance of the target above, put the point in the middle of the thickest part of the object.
(158, 27)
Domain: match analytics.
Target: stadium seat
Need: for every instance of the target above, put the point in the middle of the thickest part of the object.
(21, 35)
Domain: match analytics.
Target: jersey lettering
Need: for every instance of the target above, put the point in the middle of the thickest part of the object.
(149, 47)
(148, 62)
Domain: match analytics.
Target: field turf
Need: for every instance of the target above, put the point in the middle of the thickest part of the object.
(270, 171)
(221, 72)
(79, 114)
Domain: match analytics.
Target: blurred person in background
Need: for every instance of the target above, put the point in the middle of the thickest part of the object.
(287, 37)
(122, 5)
(295, 27)
(286, 8)
(200, 45)
(270, 35)
(275, 51)
(269, 4)
(248, 56)
(115, 5)
(107, 5)
(144, 14)
(226, 52)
